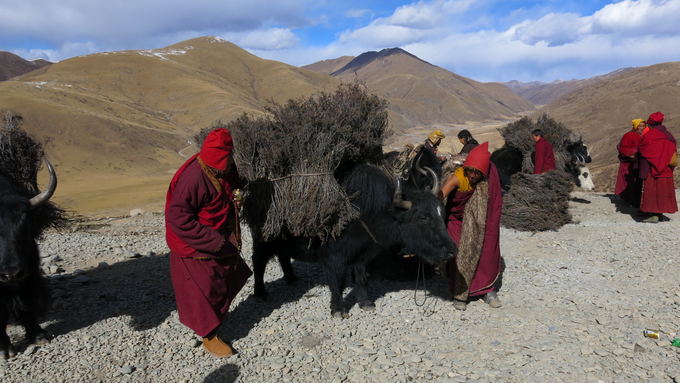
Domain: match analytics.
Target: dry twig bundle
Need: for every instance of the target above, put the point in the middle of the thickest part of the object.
(537, 202)
(518, 135)
(293, 157)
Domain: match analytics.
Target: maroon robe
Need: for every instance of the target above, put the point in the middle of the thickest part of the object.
(628, 185)
(202, 226)
(544, 156)
(658, 190)
(489, 266)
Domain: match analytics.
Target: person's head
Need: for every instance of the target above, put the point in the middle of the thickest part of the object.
(638, 125)
(436, 137)
(217, 151)
(655, 119)
(537, 134)
(464, 136)
(476, 165)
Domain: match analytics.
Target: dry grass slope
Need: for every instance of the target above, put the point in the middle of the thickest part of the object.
(114, 122)
(602, 111)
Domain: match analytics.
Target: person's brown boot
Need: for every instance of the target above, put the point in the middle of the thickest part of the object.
(216, 346)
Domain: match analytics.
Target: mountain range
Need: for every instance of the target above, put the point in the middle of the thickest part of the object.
(117, 124)
(422, 94)
(12, 65)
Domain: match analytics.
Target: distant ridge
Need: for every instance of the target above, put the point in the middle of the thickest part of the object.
(422, 95)
(543, 93)
(367, 57)
(12, 65)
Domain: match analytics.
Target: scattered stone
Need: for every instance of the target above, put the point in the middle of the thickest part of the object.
(136, 212)
(127, 370)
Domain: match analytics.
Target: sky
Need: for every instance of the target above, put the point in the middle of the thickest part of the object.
(487, 40)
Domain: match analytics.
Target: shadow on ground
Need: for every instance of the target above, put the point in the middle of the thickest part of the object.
(141, 289)
(624, 207)
(225, 374)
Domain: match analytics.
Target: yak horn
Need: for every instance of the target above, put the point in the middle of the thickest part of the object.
(398, 200)
(435, 181)
(418, 168)
(47, 194)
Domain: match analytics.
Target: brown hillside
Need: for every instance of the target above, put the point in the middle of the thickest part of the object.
(602, 111)
(12, 65)
(329, 66)
(543, 93)
(422, 94)
(116, 121)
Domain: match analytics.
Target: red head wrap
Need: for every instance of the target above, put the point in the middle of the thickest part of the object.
(216, 149)
(655, 118)
(479, 158)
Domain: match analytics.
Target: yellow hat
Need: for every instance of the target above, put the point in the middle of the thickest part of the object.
(435, 135)
(636, 122)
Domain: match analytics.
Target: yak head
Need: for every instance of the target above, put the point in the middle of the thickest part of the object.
(421, 223)
(17, 235)
(579, 157)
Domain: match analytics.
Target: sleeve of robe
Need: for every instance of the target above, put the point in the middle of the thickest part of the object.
(628, 146)
(182, 215)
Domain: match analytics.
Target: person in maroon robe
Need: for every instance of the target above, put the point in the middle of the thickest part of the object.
(628, 185)
(474, 202)
(202, 232)
(658, 157)
(544, 156)
(469, 142)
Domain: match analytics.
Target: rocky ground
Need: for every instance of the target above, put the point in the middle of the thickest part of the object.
(575, 304)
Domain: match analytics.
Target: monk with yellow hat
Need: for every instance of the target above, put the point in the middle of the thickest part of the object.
(433, 140)
(628, 184)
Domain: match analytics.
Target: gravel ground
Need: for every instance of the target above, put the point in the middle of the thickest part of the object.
(575, 304)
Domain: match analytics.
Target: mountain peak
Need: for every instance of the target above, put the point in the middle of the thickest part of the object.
(371, 56)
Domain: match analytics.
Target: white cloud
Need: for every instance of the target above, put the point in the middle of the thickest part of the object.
(357, 13)
(123, 23)
(264, 39)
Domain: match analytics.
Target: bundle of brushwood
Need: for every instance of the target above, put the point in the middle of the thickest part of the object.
(518, 135)
(293, 157)
(21, 157)
(537, 202)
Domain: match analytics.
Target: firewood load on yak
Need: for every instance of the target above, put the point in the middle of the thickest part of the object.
(25, 212)
(317, 191)
(539, 202)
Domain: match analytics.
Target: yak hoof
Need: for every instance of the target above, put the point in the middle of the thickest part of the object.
(41, 339)
(340, 314)
(8, 352)
(367, 306)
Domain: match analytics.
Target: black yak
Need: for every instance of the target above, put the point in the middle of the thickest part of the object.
(393, 221)
(24, 213)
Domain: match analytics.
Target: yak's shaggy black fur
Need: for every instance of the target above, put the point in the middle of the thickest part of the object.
(537, 202)
(295, 156)
(21, 157)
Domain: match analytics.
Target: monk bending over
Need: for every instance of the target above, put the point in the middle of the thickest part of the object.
(202, 231)
(474, 201)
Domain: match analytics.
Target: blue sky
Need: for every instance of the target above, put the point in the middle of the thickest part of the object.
(487, 40)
